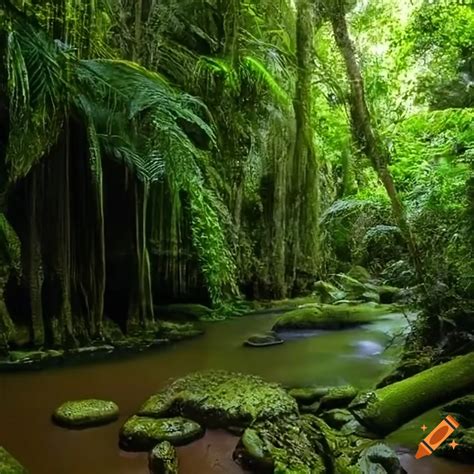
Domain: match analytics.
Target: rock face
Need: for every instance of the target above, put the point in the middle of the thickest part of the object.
(9, 465)
(220, 399)
(85, 413)
(141, 433)
(163, 459)
(331, 316)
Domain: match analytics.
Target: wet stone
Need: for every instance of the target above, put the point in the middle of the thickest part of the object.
(142, 433)
(163, 459)
(9, 465)
(85, 413)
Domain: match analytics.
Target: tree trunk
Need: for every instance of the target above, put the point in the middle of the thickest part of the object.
(363, 131)
(388, 408)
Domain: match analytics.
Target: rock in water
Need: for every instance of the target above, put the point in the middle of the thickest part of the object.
(263, 340)
(286, 445)
(380, 459)
(141, 433)
(163, 459)
(86, 413)
(9, 465)
(219, 399)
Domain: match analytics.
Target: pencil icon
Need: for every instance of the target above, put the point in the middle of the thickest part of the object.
(437, 437)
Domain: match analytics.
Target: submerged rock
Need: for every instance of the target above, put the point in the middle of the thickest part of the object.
(163, 459)
(85, 413)
(9, 465)
(141, 433)
(331, 316)
(263, 340)
(219, 399)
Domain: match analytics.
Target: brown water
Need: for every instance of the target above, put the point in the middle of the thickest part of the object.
(28, 399)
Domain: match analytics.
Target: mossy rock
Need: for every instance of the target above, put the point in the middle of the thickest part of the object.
(86, 413)
(308, 395)
(263, 340)
(331, 316)
(163, 459)
(328, 293)
(285, 445)
(380, 459)
(219, 399)
(359, 273)
(9, 465)
(183, 312)
(338, 397)
(141, 433)
(27, 356)
(463, 409)
(389, 294)
(462, 453)
(179, 331)
(337, 417)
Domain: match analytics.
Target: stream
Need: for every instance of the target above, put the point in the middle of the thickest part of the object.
(27, 399)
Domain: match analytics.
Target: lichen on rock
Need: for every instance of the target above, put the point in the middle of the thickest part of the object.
(219, 399)
(85, 413)
(140, 433)
(163, 459)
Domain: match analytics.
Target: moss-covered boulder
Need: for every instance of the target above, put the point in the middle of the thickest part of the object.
(141, 433)
(338, 397)
(219, 399)
(85, 413)
(285, 445)
(9, 465)
(163, 459)
(359, 273)
(263, 340)
(337, 417)
(388, 294)
(179, 331)
(331, 316)
(308, 395)
(328, 293)
(380, 459)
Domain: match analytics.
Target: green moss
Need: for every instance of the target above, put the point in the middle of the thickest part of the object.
(331, 316)
(327, 292)
(163, 459)
(387, 408)
(178, 331)
(337, 417)
(359, 273)
(220, 399)
(27, 356)
(83, 413)
(308, 395)
(142, 433)
(9, 465)
(463, 409)
(338, 397)
(284, 445)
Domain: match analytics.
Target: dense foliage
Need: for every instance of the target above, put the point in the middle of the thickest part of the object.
(210, 150)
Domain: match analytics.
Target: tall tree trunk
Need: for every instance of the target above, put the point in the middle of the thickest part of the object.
(364, 133)
(304, 166)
